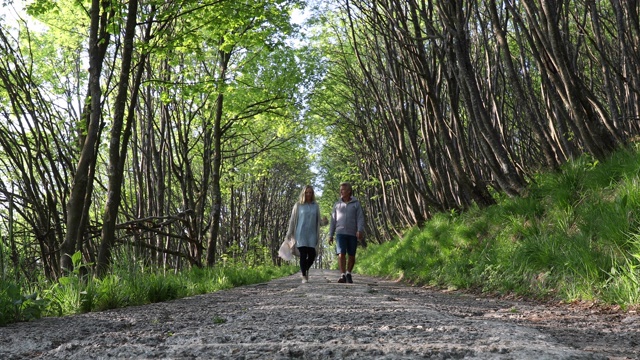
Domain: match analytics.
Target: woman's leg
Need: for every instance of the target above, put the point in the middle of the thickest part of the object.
(312, 257)
(304, 260)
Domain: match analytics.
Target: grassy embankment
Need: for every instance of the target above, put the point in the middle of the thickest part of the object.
(575, 236)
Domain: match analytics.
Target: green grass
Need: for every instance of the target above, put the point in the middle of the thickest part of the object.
(127, 285)
(574, 236)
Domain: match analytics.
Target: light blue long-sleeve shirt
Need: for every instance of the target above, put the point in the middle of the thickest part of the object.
(304, 224)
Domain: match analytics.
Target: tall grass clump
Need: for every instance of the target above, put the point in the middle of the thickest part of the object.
(624, 276)
(574, 235)
(161, 289)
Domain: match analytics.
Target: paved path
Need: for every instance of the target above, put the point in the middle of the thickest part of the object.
(284, 319)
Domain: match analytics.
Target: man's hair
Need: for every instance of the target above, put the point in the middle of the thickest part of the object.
(347, 184)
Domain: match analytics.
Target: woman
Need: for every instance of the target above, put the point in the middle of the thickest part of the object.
(304, 227)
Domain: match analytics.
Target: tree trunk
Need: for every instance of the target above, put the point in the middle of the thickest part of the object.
(216, 168)
(119, 139)
(98, 43)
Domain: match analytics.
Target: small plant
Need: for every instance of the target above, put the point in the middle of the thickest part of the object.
(218, 320)
(15, 307)
(72, 293)
(88, 299)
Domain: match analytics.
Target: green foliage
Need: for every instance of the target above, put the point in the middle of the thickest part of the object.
(39, 7)
(219, 320)
(573, 237)
(16, 306)
(623, 279)
(162, 289)
(112, 293)
(76, 294)
(72, 293)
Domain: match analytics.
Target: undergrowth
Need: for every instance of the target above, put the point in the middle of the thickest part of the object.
(127, 285)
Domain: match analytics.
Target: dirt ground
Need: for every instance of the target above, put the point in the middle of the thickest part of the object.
(369, 319)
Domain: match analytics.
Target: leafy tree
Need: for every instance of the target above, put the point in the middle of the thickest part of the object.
(177, 97)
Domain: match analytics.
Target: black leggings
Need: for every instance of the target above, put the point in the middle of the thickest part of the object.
(307, 257)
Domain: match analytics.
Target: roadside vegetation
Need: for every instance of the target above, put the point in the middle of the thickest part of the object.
(574, 236)
(130, 283)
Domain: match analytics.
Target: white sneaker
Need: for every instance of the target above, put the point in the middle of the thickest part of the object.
(304, 279)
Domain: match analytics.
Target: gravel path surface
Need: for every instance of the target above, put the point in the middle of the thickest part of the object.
(370, 319)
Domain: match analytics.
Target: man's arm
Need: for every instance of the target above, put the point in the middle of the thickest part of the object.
(332, 225)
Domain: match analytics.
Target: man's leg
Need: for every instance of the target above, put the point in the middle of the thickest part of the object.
(351, 251)
(342, 262)
(342, 249)
(350, 263)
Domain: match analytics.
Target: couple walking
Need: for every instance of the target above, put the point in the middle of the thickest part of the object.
(347, 225)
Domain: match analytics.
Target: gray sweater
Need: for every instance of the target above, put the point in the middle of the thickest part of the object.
(346, 218)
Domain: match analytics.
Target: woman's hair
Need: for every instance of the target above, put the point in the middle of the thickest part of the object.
(304, 190)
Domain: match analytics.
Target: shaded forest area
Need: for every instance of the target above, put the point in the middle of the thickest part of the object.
(179, 133)
(443, 105)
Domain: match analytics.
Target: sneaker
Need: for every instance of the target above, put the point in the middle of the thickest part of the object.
(349, 280)
(343, 279)
(304, 279)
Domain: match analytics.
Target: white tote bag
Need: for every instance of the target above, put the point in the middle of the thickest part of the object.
(288, 249)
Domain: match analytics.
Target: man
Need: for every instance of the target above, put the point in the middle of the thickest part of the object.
(347, 224)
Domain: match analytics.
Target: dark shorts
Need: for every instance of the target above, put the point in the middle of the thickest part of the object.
(346, 244)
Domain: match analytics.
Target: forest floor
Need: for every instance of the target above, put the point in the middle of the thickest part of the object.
(369, 319)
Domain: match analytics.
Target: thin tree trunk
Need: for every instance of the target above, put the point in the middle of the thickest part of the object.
(216, 168)
(119, 140)
(98, 42)
(531, 113)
